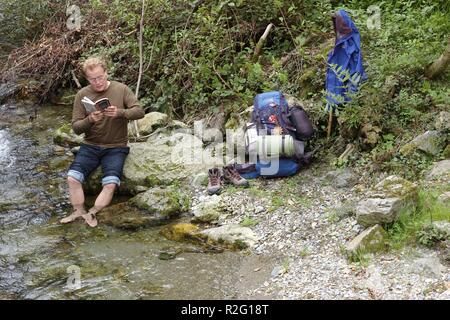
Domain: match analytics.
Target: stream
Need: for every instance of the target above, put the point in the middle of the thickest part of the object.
(42, 259)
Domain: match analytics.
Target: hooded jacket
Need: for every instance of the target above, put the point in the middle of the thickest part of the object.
(346, 54)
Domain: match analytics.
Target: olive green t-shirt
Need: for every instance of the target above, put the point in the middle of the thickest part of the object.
(108, 132)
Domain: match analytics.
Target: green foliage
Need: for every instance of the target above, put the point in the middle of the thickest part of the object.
(24, 20)
(248, 222)
(416, 227)
(430, 235)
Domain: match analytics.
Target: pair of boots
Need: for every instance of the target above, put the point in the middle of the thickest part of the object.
(229, 174)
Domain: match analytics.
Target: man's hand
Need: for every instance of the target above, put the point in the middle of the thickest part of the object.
(111, 111)
(95, 116)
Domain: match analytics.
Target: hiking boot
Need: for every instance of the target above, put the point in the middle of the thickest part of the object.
(230, 174)
(214, 181)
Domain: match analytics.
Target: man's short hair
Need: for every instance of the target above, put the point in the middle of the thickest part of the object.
(93, 62)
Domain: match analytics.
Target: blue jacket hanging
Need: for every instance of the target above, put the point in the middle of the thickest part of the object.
(346, 54)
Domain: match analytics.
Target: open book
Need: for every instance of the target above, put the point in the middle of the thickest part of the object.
(99, 105)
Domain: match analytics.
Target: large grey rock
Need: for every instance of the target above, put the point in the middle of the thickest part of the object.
(164, 159)
(430, 142)
(232, 235)
(152, 121)
(386, 201)
(440, 170)
(371, 240)
(165, 202)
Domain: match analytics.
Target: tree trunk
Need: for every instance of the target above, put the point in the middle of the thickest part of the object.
(438, 67)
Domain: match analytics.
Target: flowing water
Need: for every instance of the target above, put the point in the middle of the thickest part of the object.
(42, 259)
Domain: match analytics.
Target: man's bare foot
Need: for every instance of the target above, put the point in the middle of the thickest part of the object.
(73, 216)
(90, 218)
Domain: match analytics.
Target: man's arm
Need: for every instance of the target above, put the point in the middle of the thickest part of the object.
(80, 120)
(133, 109)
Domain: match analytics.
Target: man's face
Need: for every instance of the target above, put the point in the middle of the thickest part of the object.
(98, 78)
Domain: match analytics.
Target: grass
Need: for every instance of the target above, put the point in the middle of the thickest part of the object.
(414, 227)
(248, 222)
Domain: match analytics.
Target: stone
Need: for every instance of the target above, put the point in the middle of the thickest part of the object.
(65, 137)
(162, 160)
(444, 198)
(208, 210)
(180, 232)
(430, 142)
(127, 217)
(371, 240)
(430, 266)
(166, 202)
(59, 151)
(443, 226)
(387, 201)
(443, 121)
(152, 121)
(440, 170)
(234, 236)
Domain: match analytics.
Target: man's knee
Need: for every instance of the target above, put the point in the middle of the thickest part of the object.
(73, 182)
(110, 187)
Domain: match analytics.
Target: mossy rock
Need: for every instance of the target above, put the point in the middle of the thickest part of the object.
(127, 217)
(64, 136)
(180, 232)
(165, 202)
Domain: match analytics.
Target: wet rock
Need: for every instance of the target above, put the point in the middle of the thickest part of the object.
(370, 240)
(180, 232)
(232, 235)
(165, 202)
(59, 151)
(127, 217)
(430, 142)
(152, 121)
(386, 201)
(65, 137)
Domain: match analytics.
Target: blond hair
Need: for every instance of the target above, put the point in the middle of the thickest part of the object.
(93, 62)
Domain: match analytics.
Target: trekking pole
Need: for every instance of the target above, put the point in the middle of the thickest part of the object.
(330, 121)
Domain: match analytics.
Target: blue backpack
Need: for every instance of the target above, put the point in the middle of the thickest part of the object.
(270, 110)
(269, 169)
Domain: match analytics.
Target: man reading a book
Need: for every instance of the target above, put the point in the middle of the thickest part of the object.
(105, 141)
